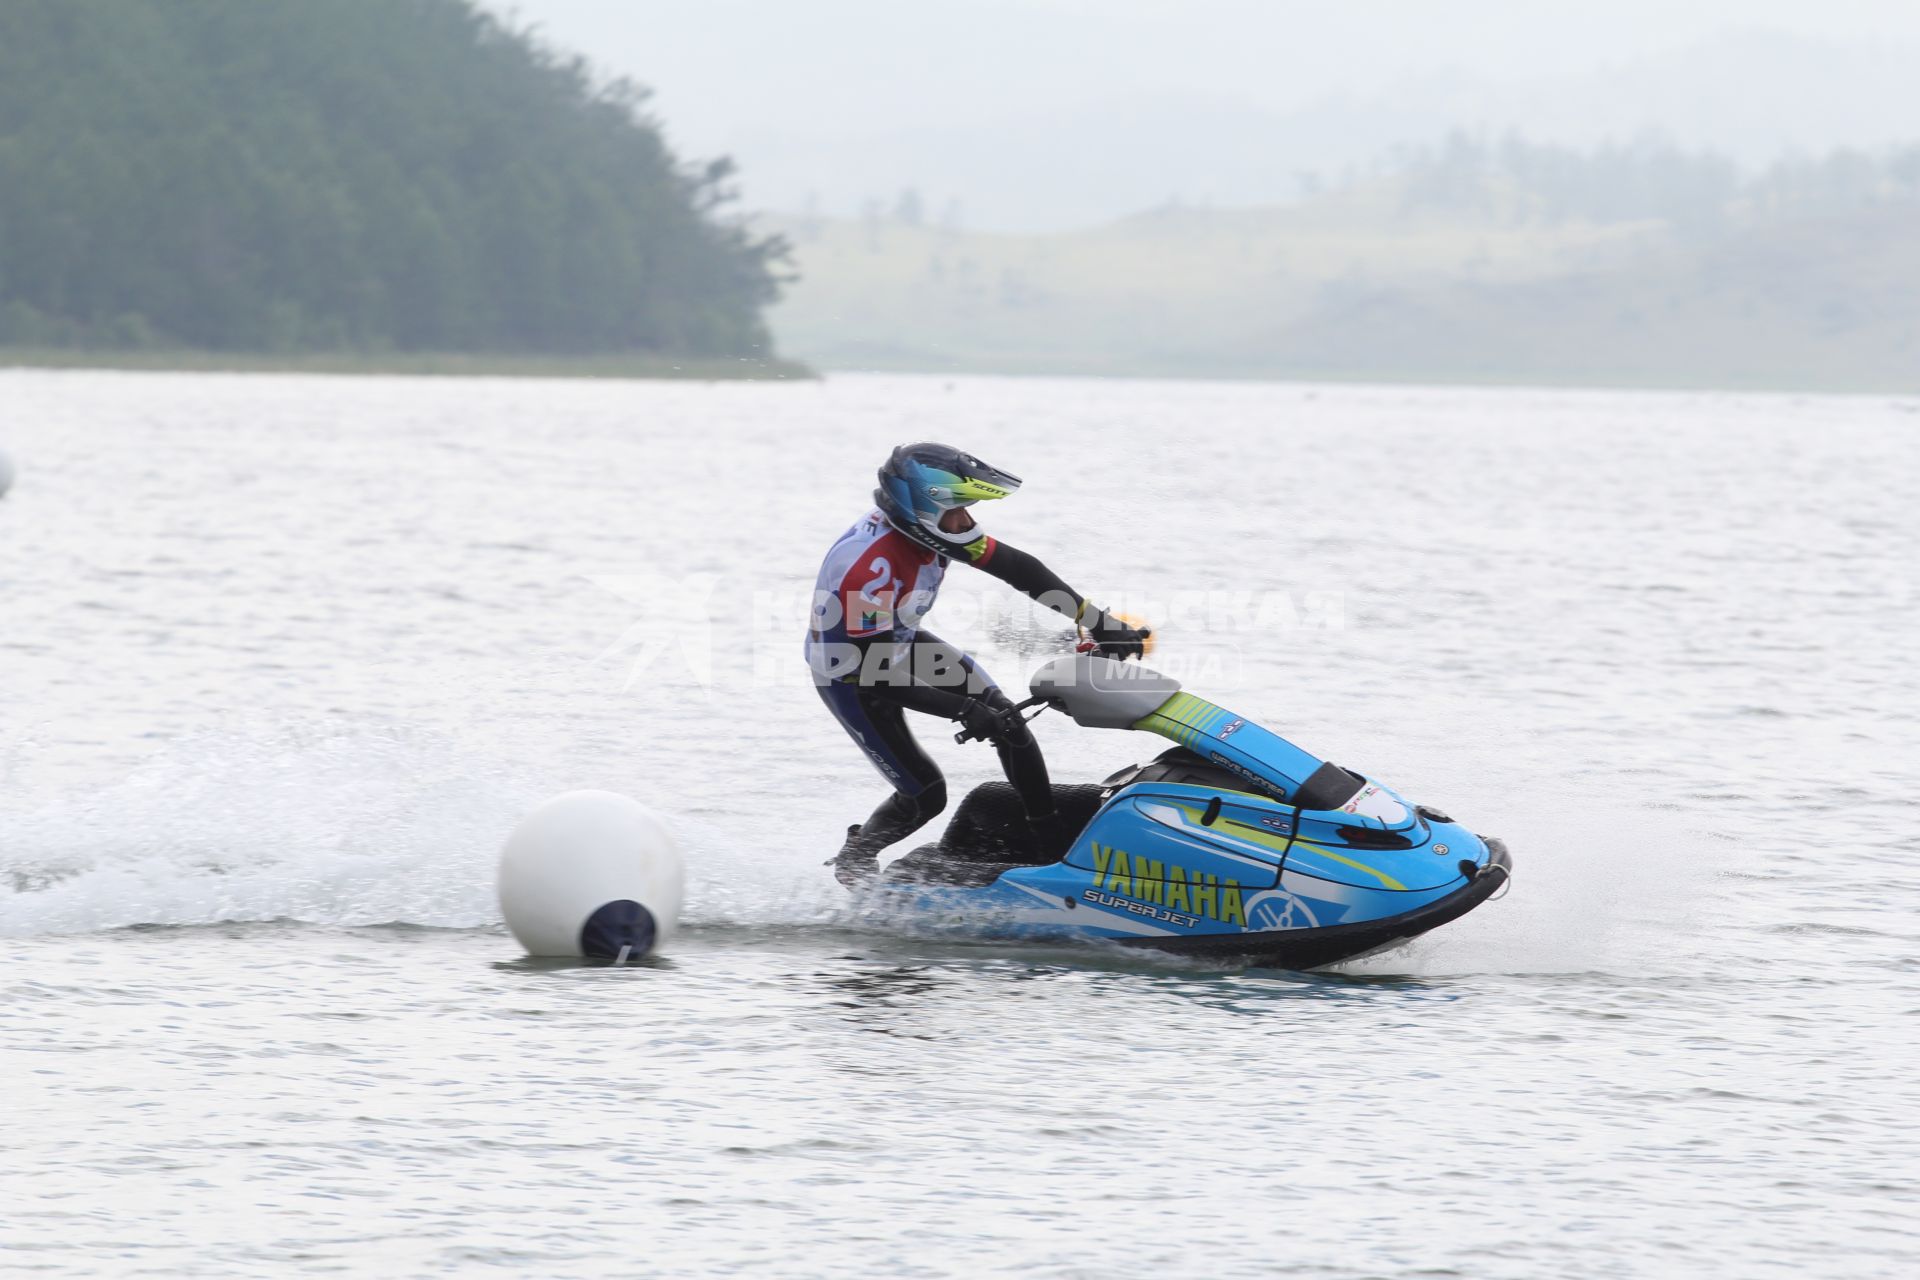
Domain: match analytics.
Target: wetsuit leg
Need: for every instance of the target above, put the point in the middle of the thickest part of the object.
(1020, 756)
(938, 681)
(880, 727)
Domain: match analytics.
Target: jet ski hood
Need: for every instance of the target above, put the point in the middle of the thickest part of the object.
(1101, 693)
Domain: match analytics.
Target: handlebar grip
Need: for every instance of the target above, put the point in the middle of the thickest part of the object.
(968, 735)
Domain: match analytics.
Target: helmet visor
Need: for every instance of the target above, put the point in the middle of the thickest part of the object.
(972, 481)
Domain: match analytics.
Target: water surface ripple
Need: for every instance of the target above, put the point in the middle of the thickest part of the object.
(282, 658)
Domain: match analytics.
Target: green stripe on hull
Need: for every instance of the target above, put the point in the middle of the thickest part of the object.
(1184, 718)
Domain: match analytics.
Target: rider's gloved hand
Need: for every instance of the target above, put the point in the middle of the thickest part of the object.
(993, 721)
(1116, 638)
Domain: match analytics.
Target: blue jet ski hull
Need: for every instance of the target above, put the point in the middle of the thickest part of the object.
(1234, 846)
(1313, 948)
(1150, 870)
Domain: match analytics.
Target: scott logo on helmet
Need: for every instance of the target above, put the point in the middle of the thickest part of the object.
(1172, 887)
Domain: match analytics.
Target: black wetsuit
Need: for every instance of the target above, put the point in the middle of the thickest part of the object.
(873, 662)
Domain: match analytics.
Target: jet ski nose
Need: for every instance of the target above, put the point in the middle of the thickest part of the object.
(1498, 861)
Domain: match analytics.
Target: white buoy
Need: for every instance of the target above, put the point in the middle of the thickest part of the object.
(591, 873)
(6, 473)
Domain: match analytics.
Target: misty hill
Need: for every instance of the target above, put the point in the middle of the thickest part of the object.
(1033, 116)
(370, 175)
(1753, 97)
(1636, 266)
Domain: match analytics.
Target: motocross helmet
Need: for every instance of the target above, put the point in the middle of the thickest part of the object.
(922, 482)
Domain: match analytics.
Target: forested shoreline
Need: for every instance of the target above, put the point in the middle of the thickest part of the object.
(360, 176)
(1513, 181)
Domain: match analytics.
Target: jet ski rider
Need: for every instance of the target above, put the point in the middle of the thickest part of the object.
(872, 661)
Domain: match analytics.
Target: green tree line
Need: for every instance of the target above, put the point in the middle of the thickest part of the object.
(1513, 181)
(349, 175)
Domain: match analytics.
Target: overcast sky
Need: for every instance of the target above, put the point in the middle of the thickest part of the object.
(1055, 112)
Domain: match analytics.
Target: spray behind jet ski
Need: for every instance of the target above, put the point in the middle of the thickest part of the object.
(1234, 845)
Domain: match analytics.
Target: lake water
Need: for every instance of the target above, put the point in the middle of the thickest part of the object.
(282, 659)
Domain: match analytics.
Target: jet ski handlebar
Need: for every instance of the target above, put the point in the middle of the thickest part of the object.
(1096, 692)
(969, 735)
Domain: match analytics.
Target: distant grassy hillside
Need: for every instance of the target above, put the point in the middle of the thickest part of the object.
(356, 176)
(1385, 280)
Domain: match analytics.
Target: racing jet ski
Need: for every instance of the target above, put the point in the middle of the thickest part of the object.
(1234, 845)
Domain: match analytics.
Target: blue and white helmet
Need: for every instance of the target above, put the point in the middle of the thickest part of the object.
(922, 482)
